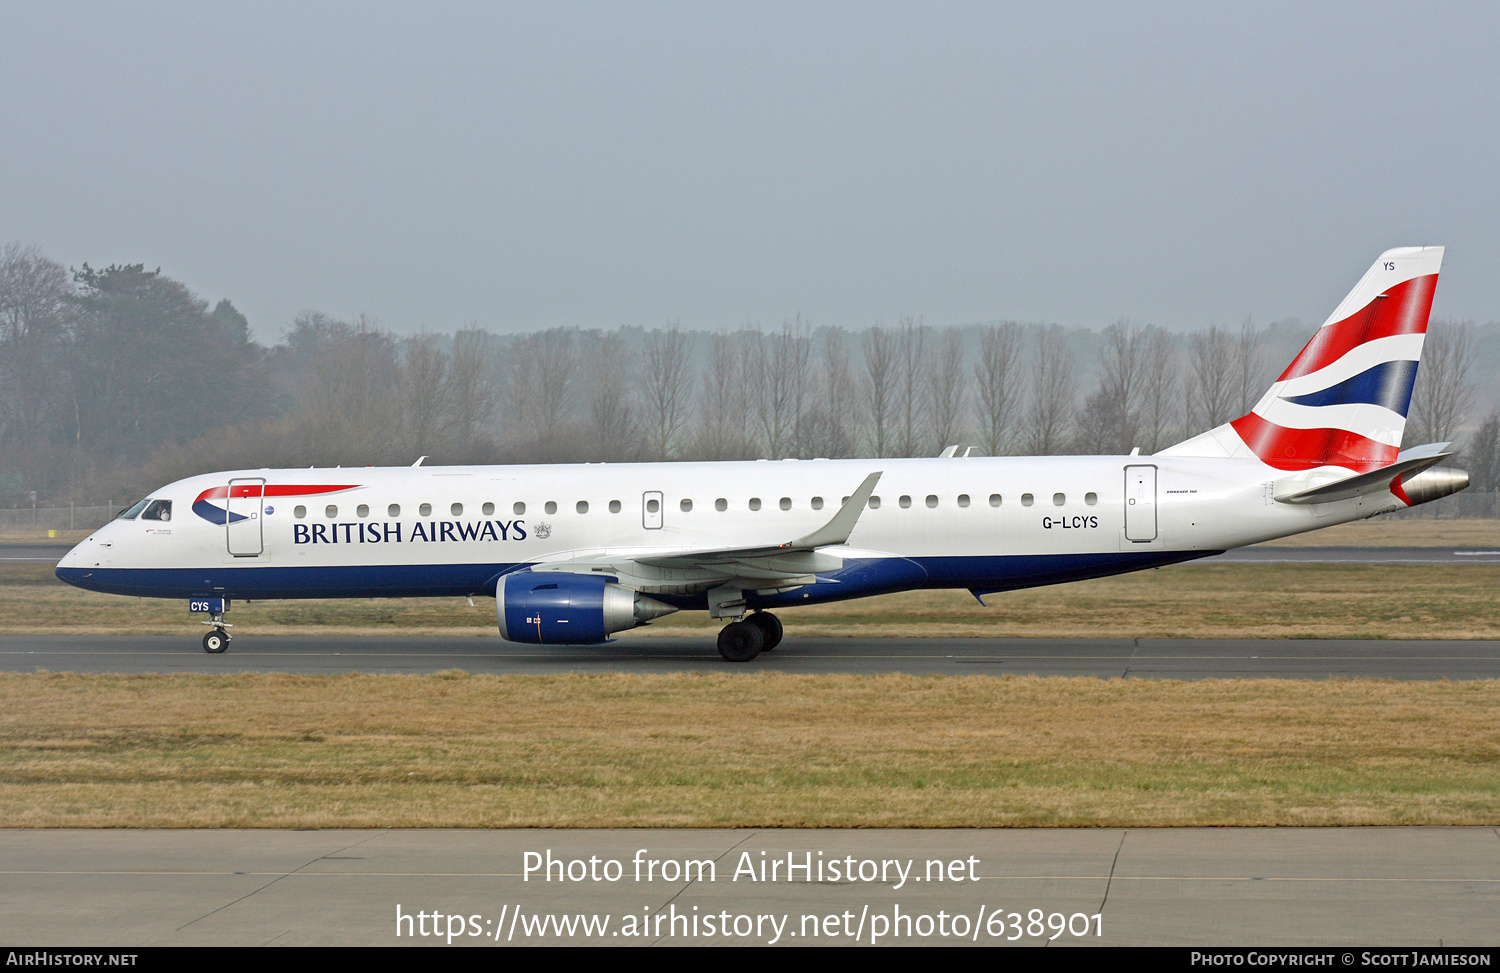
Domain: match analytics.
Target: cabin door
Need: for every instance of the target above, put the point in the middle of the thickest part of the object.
(1140, 503)
(243, 526)
(651, 510)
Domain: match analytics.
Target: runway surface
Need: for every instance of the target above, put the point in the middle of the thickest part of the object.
(1218, 886)
(1103, 658)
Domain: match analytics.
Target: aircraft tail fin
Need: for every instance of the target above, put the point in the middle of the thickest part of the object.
(1343, 400)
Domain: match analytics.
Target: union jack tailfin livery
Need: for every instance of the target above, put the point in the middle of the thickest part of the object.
(1343, 401)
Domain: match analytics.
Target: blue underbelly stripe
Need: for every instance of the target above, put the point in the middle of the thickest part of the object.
(857, 579)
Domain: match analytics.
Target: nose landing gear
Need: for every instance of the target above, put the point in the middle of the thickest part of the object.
(217, 640)
(744, 640)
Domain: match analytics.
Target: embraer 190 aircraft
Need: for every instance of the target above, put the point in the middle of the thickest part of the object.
(573, 554)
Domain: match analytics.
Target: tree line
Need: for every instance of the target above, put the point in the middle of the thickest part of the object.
(115, 380)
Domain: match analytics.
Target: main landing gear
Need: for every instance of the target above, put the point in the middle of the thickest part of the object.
(744, 640)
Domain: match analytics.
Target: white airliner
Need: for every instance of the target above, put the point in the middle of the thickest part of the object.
(573, 554)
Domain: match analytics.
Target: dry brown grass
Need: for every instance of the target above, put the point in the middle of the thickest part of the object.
(1382, 532)
(1191, 600)
(766, 750)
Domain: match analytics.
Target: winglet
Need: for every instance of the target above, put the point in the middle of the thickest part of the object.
(837, 530)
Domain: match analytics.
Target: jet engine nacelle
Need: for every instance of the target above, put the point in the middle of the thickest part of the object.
(579, 609)
(1433, 483)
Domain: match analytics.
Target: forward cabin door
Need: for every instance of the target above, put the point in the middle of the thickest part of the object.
(1140, 503)
(243, 525)
(651, 510)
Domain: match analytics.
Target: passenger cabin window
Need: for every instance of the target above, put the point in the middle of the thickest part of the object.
(330, 511)
(963, 499)
(299, 511)
(394, 510)
(157, 510)
(755, 503)
(686, 505)
(488, 509)
(874, 503)
(1027, 500)
(786, 503)
(518, 508)
(1059, 499)
(905, 501)
(1091, 498)
(721, 505)
(134, 511)
(363, 510)
(994, 500)
(551, 506)
(582, 506)
(425, 510)
(931, 500)
(457, 510)
(614, 506)
(653, 506)
(817, 503)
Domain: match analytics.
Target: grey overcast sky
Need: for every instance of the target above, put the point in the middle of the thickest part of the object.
(531, 165)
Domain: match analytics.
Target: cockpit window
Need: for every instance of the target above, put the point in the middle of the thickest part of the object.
(134, 511)
(158, 510)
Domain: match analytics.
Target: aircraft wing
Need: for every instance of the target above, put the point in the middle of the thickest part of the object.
(787, 564)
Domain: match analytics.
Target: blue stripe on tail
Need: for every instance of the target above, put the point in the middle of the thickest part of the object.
(1388, 384)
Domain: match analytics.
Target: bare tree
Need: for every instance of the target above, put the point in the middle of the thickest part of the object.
(721, 433)
(947, 381)
(1482, 456)
(351, 413)
(778, 365)
(997, 378)
(1248, 380)
(34, 297)
(1121, 369)
(424, 383)
(1159, 404)
(826, 426)
(667, 388)
(542, 370)
(912, 397)
(1052, 393)
(1212, 394)
(471, 381)
(1442, 393)
(880, 377)
(611, 375)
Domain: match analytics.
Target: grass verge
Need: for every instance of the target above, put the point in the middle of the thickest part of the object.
(772, 750)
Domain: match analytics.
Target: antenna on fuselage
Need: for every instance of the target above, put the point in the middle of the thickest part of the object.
(419, 461)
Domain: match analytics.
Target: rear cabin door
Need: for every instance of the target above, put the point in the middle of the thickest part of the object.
(243, 525)
(651, 510)
(1140, 503)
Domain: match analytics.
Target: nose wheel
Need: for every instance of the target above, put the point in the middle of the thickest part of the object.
(216, 641)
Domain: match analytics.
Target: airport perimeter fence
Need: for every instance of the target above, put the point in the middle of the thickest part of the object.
(40, 520)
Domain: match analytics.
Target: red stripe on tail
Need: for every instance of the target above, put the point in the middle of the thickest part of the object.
(1302, 449)
(1401, 310)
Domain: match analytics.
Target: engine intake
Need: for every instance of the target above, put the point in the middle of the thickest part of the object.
(577, 609)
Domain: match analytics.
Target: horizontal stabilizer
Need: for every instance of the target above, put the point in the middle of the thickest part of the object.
(1410, 461)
